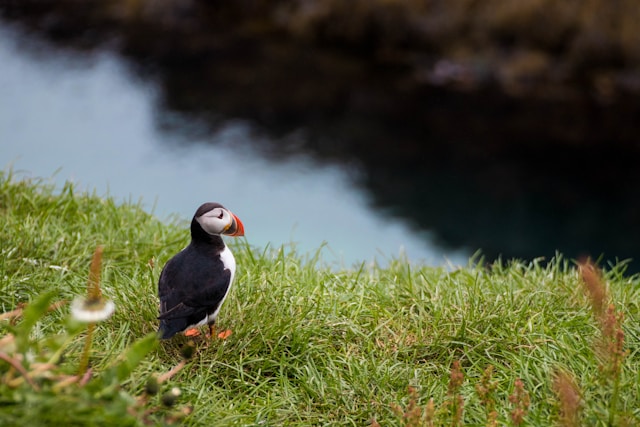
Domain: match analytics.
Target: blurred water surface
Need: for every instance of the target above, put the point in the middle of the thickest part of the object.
(89, 120)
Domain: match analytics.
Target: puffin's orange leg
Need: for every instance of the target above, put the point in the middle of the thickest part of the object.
(193, 332)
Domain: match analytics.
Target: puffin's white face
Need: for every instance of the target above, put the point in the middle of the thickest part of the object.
(220, 221)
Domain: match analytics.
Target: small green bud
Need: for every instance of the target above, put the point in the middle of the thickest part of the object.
(187, 350)
(152, 387)
(170, 397)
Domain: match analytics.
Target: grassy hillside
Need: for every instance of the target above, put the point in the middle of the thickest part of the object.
(507, 344)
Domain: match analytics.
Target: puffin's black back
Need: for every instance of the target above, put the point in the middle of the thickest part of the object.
(194, 282)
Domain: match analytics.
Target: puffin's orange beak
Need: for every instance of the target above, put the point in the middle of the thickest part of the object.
(236, 229)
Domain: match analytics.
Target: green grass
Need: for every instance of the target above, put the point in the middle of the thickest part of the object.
(315, 346)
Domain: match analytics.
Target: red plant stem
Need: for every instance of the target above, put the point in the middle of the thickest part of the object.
(18, 367)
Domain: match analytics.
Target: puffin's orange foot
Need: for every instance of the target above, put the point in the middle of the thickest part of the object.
(221, 335)
(225, 334)
(193, 332)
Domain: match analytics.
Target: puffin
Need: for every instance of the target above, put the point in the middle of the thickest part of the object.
(195, 282)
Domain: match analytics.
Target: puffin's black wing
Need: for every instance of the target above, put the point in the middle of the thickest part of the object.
(191, 286)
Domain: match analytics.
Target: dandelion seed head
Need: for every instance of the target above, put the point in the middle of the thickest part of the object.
(92, 310)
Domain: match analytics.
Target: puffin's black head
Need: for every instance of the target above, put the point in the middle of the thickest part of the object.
(214, 220)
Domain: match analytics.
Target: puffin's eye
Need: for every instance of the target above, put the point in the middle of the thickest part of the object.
(221, 215)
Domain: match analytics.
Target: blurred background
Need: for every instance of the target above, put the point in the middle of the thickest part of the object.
(429, 129)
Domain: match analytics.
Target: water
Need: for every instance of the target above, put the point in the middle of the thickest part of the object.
(89, 121)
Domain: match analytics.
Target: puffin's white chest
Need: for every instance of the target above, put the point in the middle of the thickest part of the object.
(229, 262)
